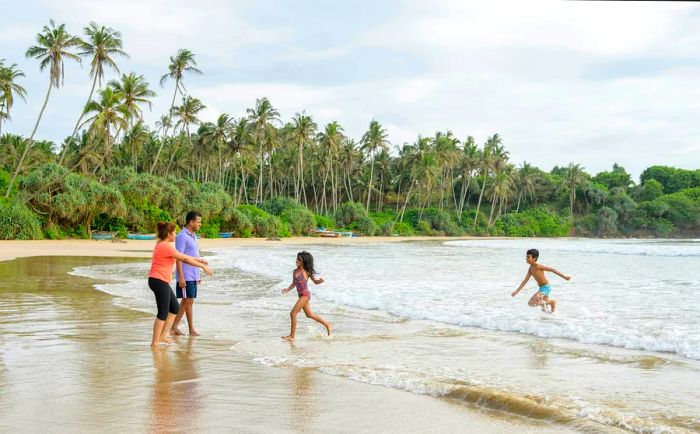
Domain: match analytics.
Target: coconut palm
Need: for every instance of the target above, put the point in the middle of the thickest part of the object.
(181, 63)
(186, 115)
(54, 46)
(134, 92)
(108, 112)
(101, 45)
(446, 152)
(468, 161)
(331, 140)
(8, 89)
(526, 183)
(374, 140)
(262, 118)
(303, 131)
(574, 177)
(218, 135)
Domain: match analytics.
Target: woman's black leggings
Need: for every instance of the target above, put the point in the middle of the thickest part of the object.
(165, 298)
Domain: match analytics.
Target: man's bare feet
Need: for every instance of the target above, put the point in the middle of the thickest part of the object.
(194, 333)
(288, 338)
(176, 331)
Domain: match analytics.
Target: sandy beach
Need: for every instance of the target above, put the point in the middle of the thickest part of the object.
(143, 249)
(73, 361)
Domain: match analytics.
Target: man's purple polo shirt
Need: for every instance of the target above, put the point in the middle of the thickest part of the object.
(186, 242)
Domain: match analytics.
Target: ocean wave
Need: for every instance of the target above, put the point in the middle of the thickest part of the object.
(668, 248)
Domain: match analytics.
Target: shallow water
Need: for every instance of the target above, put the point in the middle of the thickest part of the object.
(72, 361)
(437, 318)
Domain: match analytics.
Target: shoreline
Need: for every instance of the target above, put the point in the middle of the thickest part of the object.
(14, 249)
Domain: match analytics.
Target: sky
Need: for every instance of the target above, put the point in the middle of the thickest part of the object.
(594, 83)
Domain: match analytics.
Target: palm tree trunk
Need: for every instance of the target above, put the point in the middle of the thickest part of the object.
(493, 205)
(462, 195)
(29, 143)
(165, 133)
(478, 205)
(405, 202)
(371, 178)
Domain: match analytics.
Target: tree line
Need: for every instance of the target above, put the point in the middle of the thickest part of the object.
(106, 172)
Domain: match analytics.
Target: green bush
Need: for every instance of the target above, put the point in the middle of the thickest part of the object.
(366, 226)
(266, 226)
(663, 228)
(17, 222)
(284, 232)
(607, 221)
(423, 228)
(322, 221)
(251, 211)
(238, 223)
(387, 229)
(300, 220)
(533, 222)
(349, 212)
(278, 205)
(403, 229)
(210, 228)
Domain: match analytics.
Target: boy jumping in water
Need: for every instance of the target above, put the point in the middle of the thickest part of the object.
(541, 297)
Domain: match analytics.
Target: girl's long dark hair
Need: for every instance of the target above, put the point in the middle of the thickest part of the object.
(307, 262)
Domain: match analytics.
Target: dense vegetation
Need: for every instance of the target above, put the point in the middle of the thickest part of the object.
(259, 176)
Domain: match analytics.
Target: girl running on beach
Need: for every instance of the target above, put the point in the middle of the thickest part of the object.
(300, 276)
(164, 257)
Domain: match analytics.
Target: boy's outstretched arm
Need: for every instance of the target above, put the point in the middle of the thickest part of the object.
(552, 270)
(522, 284)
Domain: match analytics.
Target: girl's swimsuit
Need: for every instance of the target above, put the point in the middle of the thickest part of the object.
(300, 282)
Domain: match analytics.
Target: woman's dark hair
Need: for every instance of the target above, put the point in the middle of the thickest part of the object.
(534, 253)
(192, 215)
(307, 262)
(164, 229)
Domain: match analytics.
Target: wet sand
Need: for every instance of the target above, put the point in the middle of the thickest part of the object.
(72, 361)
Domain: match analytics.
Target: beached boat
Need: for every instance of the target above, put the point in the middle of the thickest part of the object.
(225, 234)
(102, 236)
(141, 236)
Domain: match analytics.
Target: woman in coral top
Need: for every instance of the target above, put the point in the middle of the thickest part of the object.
(164, 257)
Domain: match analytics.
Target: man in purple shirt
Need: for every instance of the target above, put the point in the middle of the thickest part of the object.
(187, 275)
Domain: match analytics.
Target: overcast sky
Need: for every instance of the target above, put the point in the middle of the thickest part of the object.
(589, 82)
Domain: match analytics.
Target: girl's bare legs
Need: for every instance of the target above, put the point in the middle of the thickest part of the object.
(313, 316)
(293, 315)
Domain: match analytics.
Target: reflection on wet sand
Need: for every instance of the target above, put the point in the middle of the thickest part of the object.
(176, 400)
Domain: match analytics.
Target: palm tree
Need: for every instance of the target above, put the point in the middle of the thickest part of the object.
(303, 131)
(499, 162)
(54, 45)
(349, 156)
(527, 182)
(182, 62)
(108, 112)
(186, 115)
(261, 119)
(331, 140)
(102, 44)
(8, 89)
(375, 139)
(134, 140)
(485, 163)
(133, 91)
(446, 151)
(468, 162)
(575, 176)
(218, 135)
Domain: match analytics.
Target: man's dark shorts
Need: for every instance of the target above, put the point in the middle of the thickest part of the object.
(190, 289)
